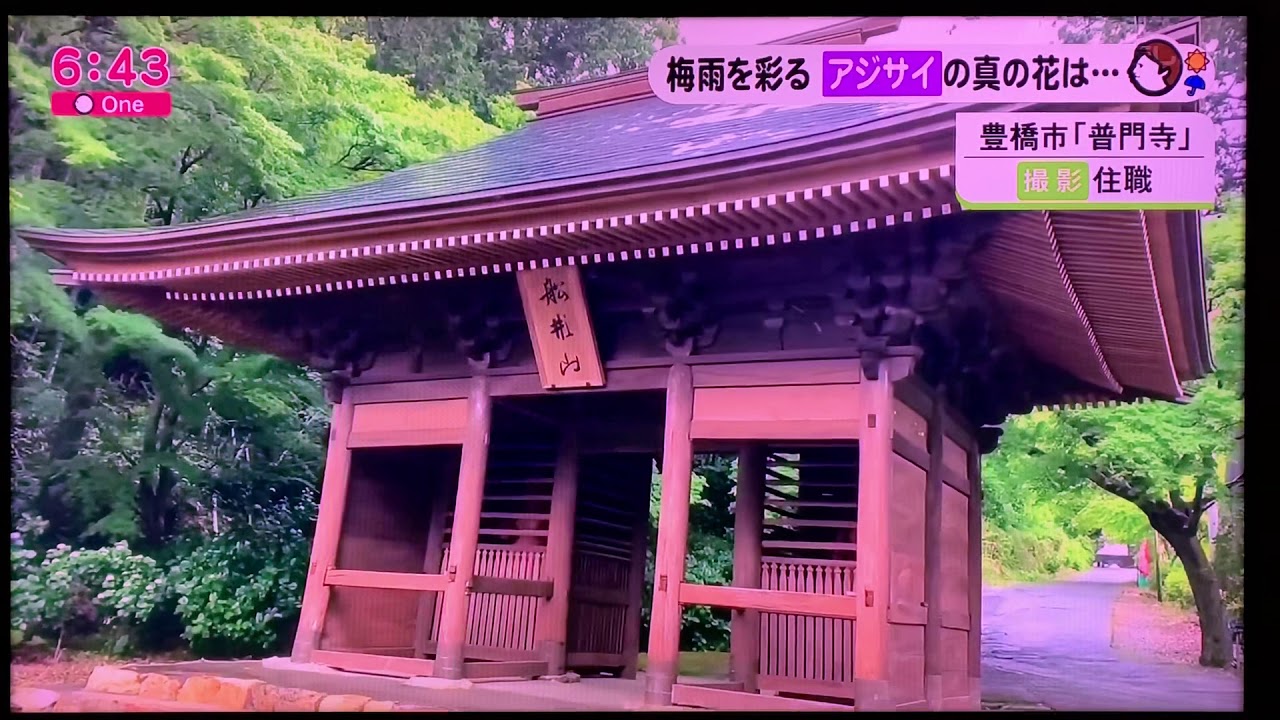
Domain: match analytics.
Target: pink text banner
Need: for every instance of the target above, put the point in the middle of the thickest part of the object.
(1153, 70)
(1085, 160)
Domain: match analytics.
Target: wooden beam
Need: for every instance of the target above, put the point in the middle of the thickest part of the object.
(806, 686)
(639, 555)
(790, 412)
(795, 372)
(484, 652)
(324, 547)
(465, 534)
(673, 538)
(374, 664)
(551, 633)
(748, 531)
(505, 669)
(385, 580)
(717, 699)
(933, 556)
(512, 586)
(774, 601)
(872, 581)
(975, 579)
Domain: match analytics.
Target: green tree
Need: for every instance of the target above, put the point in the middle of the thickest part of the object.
(1161, 457)
(478, 60)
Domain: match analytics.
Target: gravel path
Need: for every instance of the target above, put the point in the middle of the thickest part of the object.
(1051, 644)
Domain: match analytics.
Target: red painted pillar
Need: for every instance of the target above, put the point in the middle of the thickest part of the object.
(748, 532)
(975, 578)
(871, 580)
(324, 548)
(673, 537)
(551, 632)
(451, 639)
(933, 558)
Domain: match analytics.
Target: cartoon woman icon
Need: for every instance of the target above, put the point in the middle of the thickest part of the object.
(1156, 68)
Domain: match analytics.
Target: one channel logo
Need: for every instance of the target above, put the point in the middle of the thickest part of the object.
(110, 104)
(83, 103)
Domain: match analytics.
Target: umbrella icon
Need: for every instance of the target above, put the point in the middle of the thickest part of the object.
(1195, 82)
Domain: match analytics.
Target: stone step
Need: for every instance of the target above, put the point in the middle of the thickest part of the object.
(80, 701)
(113, 689)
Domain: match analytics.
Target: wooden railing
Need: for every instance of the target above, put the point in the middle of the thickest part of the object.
(790, 603)
(505, 594)
(801, 652)
(385, 580)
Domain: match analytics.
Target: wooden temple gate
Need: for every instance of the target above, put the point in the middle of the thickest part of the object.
(509, 344)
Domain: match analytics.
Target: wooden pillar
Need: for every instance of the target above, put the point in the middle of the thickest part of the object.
(748, 532)
(933, 558)
(871, 580)
(452, 635)
(324, 547)
(552, 631)
(431, 565)
(673, 538)
(975, 577)
(639, 556)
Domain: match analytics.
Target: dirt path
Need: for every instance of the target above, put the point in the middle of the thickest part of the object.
(1052, 644)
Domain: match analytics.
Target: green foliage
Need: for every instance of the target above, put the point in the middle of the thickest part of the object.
(474, 59)
(78, 589)
(263, 109)
(710, 562)
(709, 559)
(1175, 586)
(238, 591)
(204, 458)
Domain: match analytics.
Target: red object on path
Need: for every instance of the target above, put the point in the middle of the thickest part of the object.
(1144, 559)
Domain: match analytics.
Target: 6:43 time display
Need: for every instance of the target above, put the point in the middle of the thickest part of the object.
(68, 70)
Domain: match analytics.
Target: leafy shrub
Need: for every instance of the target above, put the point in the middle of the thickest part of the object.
(81, 591)
(1176, 587)
(236, 593)
(709, 562)
(1034, 553)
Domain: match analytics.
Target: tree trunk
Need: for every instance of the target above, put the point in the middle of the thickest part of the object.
(1215, 641)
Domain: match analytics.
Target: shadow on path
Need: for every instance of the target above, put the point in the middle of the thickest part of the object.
(1051, 644)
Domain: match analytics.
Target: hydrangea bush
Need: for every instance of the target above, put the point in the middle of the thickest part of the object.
(82, 590)
(236, 593)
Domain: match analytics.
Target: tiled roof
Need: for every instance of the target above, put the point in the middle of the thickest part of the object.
(628, 136)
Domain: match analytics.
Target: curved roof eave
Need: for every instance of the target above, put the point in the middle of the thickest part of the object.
(283, 223)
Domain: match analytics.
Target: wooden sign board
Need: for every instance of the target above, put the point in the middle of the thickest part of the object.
(564, 344)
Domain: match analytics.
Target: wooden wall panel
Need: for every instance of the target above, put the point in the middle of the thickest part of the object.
(906, 537)
(955, 559)
(408, 424)
(384, 529)
(906, 663)
(798, 412)
(955, 658)
(955, 459)
(911, 426)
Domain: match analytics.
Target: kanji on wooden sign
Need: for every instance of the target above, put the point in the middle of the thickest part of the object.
(560, 327)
